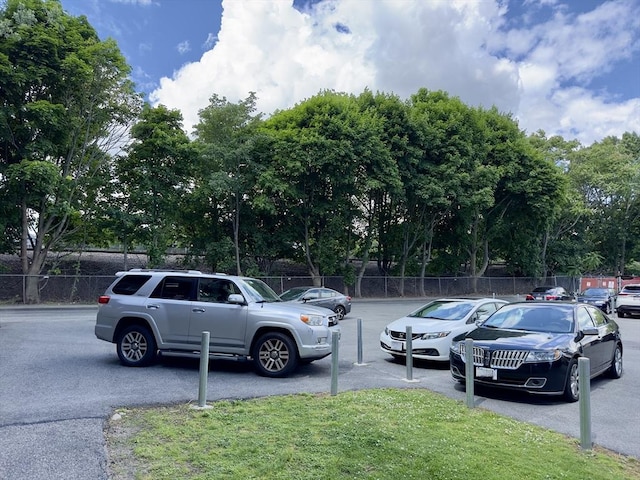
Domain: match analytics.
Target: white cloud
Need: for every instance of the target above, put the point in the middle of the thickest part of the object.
(541, 74)
(183, 47)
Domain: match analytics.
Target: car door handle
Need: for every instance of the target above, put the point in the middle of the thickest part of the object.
(153, 307)
(198, 310)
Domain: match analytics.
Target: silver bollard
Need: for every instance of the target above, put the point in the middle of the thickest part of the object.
(584, 388)
(334, 363)
(409, 357)
(469, 371)
(359, 326)
(204, 369)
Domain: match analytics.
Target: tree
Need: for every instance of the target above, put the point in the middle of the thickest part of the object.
(607, 175)
(319, 148)
(380, 183)
(155, 177)
(65, 100)
(228, 133)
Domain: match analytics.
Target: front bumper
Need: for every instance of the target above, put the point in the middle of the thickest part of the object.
(547, 378)
(436, 349)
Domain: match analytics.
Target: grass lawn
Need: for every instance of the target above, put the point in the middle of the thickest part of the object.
(369, 434)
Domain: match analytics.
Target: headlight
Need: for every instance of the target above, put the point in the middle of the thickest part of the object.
(455, 347)
(431, 336)
(313, 320)
(543, 356)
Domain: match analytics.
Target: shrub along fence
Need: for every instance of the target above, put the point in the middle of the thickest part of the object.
(85, 289)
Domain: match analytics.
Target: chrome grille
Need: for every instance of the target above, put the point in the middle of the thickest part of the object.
(478, 354)
(508, 359)
(402, 336)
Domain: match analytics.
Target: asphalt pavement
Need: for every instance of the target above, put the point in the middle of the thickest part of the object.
(59, 385)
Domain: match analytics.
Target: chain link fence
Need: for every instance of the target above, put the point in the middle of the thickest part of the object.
(85, 289)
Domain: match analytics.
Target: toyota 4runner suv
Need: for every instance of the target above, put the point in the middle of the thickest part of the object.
(149, 311)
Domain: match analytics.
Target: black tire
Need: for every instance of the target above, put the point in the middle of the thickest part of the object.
(571, 388)
(621, 314)
(615, 370)
(275, 355)
(340, 311)
(136, 346)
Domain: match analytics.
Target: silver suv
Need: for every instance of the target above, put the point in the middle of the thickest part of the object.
(149, 311)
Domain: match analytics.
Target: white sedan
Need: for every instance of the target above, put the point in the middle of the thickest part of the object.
(434, 325)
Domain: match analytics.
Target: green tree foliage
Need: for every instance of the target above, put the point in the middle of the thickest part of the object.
(229, 138)
(155, 179)
(607, 176)
(320, 147)
(65, 99)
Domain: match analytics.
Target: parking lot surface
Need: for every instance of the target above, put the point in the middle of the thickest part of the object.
(59, 385)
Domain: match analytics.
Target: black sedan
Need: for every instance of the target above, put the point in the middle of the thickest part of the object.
(535, 346)
(320, 297)
(548, 292)
(603, 298)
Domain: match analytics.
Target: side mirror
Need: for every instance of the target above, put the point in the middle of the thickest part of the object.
(590, 331)
(236, 298)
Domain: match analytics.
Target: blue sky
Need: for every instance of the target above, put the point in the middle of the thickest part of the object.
(568, 67)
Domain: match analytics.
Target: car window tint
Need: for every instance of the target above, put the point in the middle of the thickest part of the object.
(130, 284)
(632, 288)
(584, 319)
(312, 294)
(216, 290)
(174, 288)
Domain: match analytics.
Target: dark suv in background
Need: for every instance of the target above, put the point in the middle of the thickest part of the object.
(149, 311)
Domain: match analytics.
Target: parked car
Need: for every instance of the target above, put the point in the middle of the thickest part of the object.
(149, 311)
(549, 293)
(628, 300)
(603, 298)
(320, 297)
(535, 347)
(434, 325)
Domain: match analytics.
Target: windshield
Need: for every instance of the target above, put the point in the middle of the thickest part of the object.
(293, 294)
(596, 292)
(538, 318)
(259, 291)
(444, 310)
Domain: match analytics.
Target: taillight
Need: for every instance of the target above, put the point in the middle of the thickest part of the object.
(348, 298)
(103, 299)
(529, 297)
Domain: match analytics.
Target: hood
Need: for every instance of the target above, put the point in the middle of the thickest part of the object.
(517, 339)
(592, 298)
(425, 325)
(295, 308)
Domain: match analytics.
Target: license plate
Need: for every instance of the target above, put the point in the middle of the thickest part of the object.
(483, 372)
(397, 346)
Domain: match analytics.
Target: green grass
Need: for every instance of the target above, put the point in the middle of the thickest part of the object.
(371, 434)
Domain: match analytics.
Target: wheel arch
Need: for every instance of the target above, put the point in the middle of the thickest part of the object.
(126, 322)
(266, 329)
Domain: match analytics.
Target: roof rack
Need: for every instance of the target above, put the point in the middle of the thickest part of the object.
(195, 272)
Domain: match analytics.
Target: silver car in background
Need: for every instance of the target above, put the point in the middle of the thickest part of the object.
(320, 297)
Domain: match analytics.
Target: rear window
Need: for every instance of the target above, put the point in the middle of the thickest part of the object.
(130, 284)
(632, 288)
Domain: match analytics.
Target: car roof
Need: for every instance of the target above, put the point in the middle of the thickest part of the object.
(167, 272)
(469, 299)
